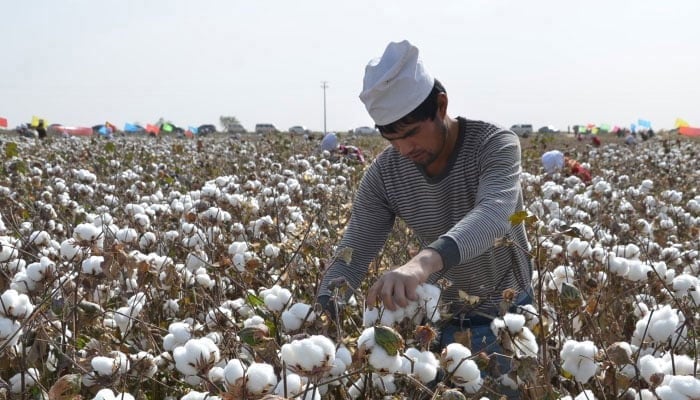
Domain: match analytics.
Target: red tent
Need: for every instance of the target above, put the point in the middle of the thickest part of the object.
(689, 131)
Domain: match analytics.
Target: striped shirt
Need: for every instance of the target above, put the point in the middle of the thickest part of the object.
(460, 213)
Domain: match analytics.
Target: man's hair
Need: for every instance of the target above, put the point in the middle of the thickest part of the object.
(426, 110)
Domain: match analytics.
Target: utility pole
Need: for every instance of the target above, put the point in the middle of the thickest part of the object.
(324, 86)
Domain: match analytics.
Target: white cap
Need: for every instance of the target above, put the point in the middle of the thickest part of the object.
(552, 161)
(395, 84)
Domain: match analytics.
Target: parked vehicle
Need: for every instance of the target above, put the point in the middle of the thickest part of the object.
(365, 130)
(265, 129)
(547, 129)
(206, 129)
(522, 130)
(298, 129)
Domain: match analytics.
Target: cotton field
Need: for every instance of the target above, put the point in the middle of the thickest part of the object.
(140, 268)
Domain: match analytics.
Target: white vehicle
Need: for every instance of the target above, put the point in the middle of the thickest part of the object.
(523, 130)
(298, 129)
(265, 128)
(365, 130)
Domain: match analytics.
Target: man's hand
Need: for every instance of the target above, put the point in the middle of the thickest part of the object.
(397, 287)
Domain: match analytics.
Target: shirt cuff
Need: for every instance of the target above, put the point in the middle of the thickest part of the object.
(448, 250)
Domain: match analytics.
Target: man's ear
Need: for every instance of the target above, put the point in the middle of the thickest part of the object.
(442, 105)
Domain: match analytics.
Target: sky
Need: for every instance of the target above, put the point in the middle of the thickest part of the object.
(542, 62)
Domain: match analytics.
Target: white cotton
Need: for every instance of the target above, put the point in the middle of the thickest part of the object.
(649, 366)
(86, 232)
(656, 326)
(104, 366)
(422, 364)
(383, 362)
(126, 235)
(309, 354)
(638, 270)
(195, 395)
(276, 298)
(370, 316)
(291, 384)
(70, 250)
(31, 377)
(514, 322)
(271, 251)
(93, 265)
(293, 318)
(578, 359)
(260, 378)
(233, 372)
(682, 387)
(253, 320)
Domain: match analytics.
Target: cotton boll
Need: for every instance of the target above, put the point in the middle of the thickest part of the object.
(683, 387)
(104, 366)
(86, 232)
(649, 366)
(384, 363)
(276, 298)
(260, 378)
(579, 359)
(290, 384)
(31, 377)
(93, 265)
(126, 235)
(234, 371)
(272, 251)
(638, 271)
(370, 317)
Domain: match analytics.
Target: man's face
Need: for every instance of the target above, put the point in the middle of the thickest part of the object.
(420, 142)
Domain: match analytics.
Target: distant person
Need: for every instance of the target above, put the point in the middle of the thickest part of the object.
(630, 140)
(41, 129)
(574, 167)
(554, 161)
(595, 141)
(329, 142)
(351, 153)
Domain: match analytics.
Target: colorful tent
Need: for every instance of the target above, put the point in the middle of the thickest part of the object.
(35, 121)
(71, 130)
(689, 131)
(3, 122)
(152, 129)
(133, 128)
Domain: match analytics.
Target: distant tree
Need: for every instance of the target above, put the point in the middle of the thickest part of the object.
(231, 124)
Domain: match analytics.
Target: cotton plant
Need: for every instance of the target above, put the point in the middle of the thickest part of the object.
(110, 366)
(179, 333)
(124, 317)
(462, 369)
(381, 346)
(423, 365)
(196, 357)
(15, 305)
(256, 379)
(310, 357)
(29, 279)
(275, 298)
(426, 305)
(108, 394)
(578, 359)
(296, 315)
(514, 336)
(31, 379)
(658, 326)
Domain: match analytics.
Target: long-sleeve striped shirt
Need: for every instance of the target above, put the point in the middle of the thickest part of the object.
(460, 213)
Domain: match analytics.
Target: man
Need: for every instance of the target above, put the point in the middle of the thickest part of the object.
(454, 181)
